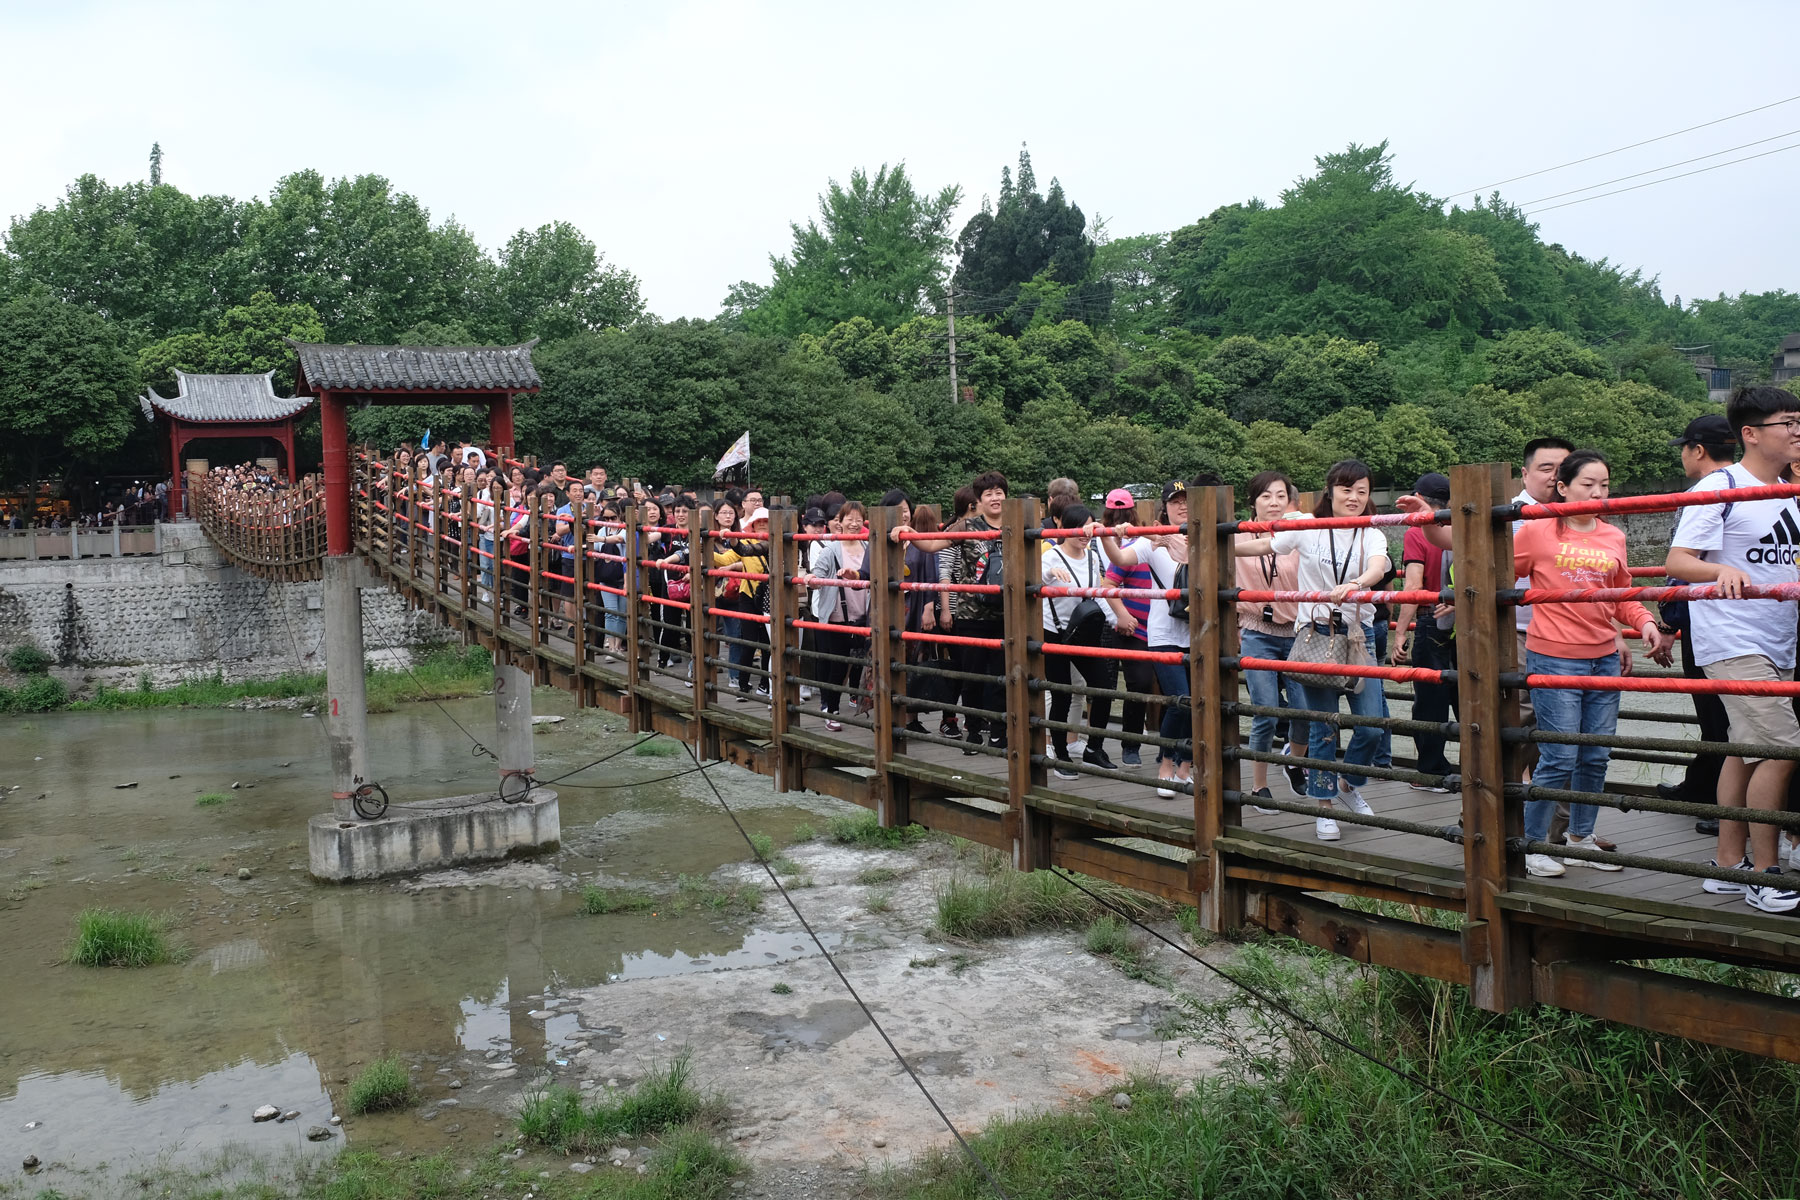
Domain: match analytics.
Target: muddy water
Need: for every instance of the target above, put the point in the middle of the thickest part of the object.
(289, 986)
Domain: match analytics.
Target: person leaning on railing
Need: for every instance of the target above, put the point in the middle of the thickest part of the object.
(1576, 640)
(1337, 562)
(1267, 631)
(1731, 545)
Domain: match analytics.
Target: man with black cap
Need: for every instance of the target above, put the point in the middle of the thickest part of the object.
(1427, 645)
(1706, 445)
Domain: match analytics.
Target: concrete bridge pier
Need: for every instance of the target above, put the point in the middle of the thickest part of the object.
(512, 719)
(346, 698)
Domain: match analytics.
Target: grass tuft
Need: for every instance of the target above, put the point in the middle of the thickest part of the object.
(763, 845)
(698, 892)
(656, 747)
(803, 832)
(782, 989)
(879, 900)
(864, 829)
(1008, 903)
(383, 1084)
(107, 937)
(598, 901)
(878, 875)
(1109, 937)
(210, 799)
(27, 659)
(664, 1099)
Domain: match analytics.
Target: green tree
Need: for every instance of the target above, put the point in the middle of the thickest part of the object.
(1028, 251)
(1358, 433)
(1418, 443)
(876, 251)
(246, 339)
(1135, 272)
(862, 349)
(1485, 424)
(1530, 356)
(1302, 457)
(67, 387)
(553, 283)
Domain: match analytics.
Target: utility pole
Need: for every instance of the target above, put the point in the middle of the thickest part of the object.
(955, 392)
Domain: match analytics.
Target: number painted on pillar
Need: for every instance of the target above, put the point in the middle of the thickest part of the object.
(334, 707)
(499, 684)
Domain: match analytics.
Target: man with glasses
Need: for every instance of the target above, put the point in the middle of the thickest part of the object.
(1748, 542)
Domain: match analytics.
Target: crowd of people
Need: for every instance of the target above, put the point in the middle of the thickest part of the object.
(1732, 544)
(138, 504)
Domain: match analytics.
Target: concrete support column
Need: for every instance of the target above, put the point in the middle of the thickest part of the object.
(512, 715)
(346, 701)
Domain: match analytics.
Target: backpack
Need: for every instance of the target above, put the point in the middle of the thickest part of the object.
(1674, 613)
(1178, 607)
(993, 574)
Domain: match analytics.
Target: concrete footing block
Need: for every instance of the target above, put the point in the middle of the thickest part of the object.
(427, 835)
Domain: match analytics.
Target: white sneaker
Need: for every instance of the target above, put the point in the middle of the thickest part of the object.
(1326, 829)
(1542, 864)
(805, 694)
(1587, 843)
(1077, 746)
(1166, 793)
(1723, 887)
(1793, 856)
(1353, 800)
(1772, 896)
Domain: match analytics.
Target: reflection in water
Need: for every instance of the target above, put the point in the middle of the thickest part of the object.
(290, 987)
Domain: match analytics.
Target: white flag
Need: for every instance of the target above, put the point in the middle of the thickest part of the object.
(739, 453)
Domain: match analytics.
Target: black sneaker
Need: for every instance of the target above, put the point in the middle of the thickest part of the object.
(1266, 795)
(913, 727)
(1060, 771)
(998, 741)
(1296, 776)
(1093, 756)
(950, 728)
(973, 740)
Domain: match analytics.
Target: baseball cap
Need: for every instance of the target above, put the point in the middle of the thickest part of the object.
(1711, 429)
(814, 516)
(1120, 498)
(1172, 489)
(1433, 486)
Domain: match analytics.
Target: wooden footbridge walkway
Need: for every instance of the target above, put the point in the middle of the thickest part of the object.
(1592, 941)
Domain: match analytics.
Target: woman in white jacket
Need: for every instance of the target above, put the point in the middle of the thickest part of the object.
(1337, 562)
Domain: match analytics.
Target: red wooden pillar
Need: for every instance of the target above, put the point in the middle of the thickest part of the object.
(287, 444)
(500, 429)
(334, 428)
(177, 444)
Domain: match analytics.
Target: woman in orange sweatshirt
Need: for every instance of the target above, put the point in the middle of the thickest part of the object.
(1575, 639)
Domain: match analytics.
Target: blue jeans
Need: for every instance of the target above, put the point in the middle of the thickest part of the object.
(1577, 768)
(1265, 689)
(1178, 718)
(615, 613)
(1365, 741)
(486, 560)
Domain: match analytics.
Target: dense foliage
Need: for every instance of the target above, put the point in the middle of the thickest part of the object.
(1354, 315)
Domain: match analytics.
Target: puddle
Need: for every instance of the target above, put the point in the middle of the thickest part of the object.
(820, 1026)
(1154, 1022)
(287, 987)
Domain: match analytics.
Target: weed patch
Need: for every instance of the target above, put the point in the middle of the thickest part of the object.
(662, 1100)
(804, 832)
(864, 829)
(598, 901)
(39, 693)
(782, 989)
(878, 875)
(763, 845)
(697, 892)
(383, 1084)
(656, 747)
(1008, 903)
(879, 900)
(27, 659)
(107, 937)
(1110, 938)
(210, 799)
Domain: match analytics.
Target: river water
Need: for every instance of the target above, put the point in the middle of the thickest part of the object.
(289, 986)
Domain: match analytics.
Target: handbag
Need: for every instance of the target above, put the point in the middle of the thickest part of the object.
(1085, 613)
(678, 587)
(1331, 646)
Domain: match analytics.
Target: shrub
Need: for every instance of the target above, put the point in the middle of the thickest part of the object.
(27, 659)
(804, 832)
(763, 845)
(382, 1084)
(106, 937)
(597, 901)
(39, 693)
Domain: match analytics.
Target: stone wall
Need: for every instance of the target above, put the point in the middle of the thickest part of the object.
(186, 612)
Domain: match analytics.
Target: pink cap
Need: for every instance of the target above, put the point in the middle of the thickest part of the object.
(1120, 498)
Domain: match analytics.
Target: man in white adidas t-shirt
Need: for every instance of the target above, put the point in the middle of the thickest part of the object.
(1748, 542)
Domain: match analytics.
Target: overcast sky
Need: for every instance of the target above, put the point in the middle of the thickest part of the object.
(684, 137)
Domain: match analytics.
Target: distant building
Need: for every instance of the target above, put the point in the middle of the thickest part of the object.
(1716, 378)
(1787, 358)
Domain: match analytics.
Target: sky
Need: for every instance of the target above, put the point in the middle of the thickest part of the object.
(683, 138)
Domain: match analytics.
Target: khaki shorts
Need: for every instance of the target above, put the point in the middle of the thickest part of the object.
(1768, 720)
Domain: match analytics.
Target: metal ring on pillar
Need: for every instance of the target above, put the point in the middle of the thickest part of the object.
(370, 801)
(516, 786)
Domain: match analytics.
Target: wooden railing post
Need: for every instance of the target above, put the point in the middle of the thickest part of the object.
(705, 682)
(440, 511)
(1212, 624)
(534, 560)
(1024, 628)
(887, 617)
(578, 568)
(1496, 948)
(783, 643)
(634, 617)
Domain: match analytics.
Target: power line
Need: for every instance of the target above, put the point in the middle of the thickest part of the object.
(1419, 1081)
(1621, 149)
(1668, 179)
(849, 987)
(1665, 167)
